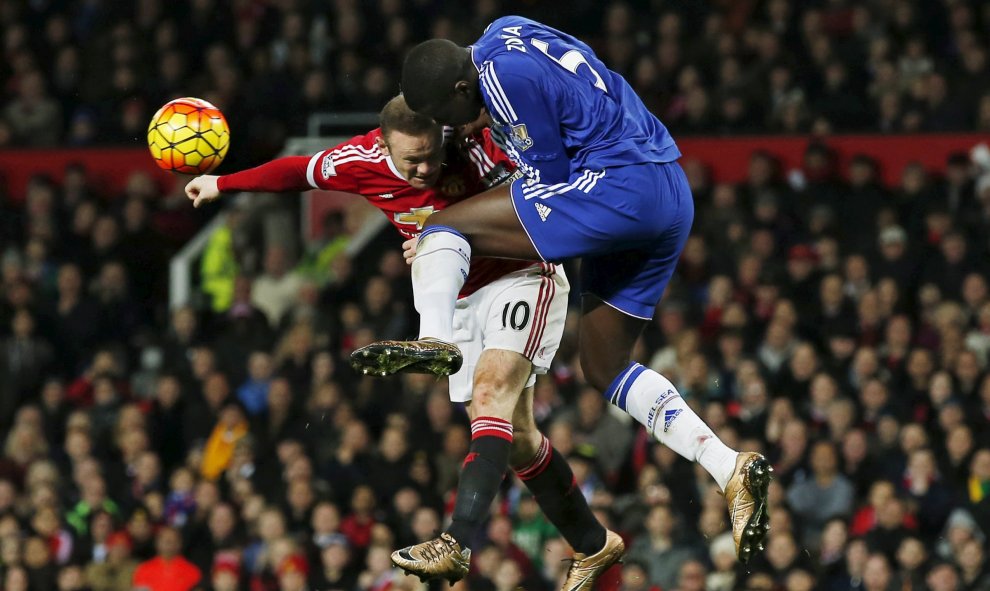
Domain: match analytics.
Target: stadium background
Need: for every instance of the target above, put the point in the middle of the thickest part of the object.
(831, 308)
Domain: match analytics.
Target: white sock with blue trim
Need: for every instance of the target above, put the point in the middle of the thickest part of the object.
(443, 259)
(653, 400)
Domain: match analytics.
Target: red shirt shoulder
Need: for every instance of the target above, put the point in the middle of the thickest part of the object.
(356, 166)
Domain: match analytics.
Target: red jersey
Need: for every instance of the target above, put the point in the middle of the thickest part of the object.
(359, 166)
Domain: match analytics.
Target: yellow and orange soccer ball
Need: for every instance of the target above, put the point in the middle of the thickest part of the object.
(188, 135)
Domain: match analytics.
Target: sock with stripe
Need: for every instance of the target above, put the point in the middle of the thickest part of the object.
(653, 400)
(484, 468)
(443, 259)
(549, 477)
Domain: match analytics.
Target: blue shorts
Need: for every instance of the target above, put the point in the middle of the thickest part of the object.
(629, 224)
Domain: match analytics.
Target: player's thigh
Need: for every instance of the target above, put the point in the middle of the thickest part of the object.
(468, 335)
(599, 212)
(522, 312)
(489, 222)
(526, 312)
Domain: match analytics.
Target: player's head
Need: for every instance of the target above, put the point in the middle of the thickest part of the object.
(413, 142)
(439, 80)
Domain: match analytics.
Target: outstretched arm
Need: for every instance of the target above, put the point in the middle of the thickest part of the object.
(334, 169)
(278, 176)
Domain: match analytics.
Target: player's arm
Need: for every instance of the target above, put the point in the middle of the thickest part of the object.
(287, 174)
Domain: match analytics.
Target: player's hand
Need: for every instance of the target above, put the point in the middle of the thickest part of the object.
(409, 250)
(464, 133)
(203, 189)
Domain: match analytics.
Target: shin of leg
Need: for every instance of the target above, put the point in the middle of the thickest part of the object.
(443, 262)
(526, 438)
(607, 338)
(499, 378)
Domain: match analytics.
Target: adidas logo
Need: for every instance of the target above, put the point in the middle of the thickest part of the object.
(543, 210)
(386, 195)
(669, 416)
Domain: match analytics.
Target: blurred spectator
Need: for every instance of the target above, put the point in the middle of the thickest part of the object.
(34, 118)
(660, 549)
(231, 427)
(117, 572)
(276, 290)
(825, 493)
(219, 267)
(168, 571)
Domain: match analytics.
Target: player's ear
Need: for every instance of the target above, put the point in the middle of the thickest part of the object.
(382, 145)
(462, 87)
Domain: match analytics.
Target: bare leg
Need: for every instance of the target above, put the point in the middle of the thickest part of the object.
(541, 468)
(498, 381)
(607, 338)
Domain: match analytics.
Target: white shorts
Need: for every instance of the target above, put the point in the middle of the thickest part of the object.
(523, 311)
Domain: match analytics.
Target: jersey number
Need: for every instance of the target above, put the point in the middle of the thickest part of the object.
(570, 61)
(518, 318)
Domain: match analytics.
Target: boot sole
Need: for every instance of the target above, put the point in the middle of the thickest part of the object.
(758, 477)
(389, 358)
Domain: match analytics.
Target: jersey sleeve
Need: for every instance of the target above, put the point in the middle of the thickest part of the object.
(278, 176)
(518, 98)
(323, 170)
(331, 171)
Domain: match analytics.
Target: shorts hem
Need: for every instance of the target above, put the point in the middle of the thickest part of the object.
(618, 307)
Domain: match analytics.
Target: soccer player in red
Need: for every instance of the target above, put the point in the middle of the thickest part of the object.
(509, 317)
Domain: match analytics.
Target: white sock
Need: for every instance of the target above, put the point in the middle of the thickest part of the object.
(443, 259)
(653, 400)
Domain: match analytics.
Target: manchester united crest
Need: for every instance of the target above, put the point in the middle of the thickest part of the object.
(453, 186)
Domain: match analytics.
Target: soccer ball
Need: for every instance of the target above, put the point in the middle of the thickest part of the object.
(188, 135)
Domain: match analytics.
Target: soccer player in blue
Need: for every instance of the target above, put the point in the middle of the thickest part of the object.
(599, 180)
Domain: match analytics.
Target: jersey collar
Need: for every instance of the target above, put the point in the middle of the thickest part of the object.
(391, 166)
(474, 61)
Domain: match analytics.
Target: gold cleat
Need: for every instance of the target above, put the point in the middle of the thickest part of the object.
(746, 493)
(585, 570)
(386, 358)
(439, 558)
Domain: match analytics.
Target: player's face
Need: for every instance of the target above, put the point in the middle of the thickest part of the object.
(455, 113)
(463, 107)
(418, 158)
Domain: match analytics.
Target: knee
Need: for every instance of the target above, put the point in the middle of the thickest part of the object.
(491, 400)
(442, 218)
(600, 370)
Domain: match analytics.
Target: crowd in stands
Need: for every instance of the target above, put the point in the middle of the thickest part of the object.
(840, 326)
(79, 73)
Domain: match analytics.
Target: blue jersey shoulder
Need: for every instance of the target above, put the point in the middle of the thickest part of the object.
(562, 105)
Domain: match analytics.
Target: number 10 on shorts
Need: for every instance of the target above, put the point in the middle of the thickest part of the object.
(515, 315)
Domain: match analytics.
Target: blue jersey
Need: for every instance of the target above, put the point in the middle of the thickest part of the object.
(557, 108)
